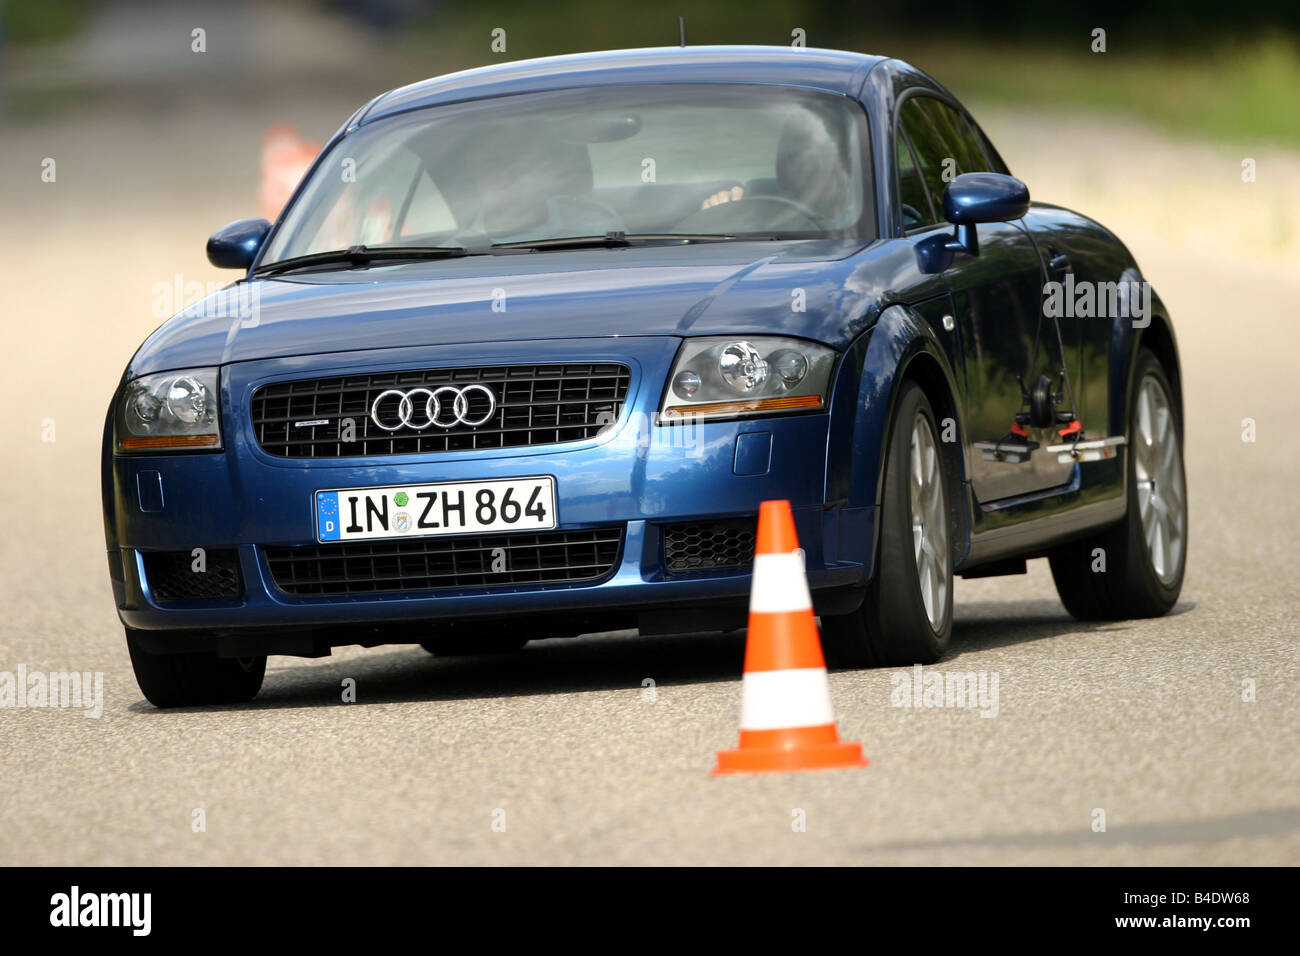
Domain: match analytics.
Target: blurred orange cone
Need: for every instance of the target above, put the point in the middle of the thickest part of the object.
(786, 721)
(286, 157)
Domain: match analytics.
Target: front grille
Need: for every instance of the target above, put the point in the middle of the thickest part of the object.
(423, 564)
(709, 545)
(536, 405)
(173, 579)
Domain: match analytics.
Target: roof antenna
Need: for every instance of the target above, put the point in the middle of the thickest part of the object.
(681, 28)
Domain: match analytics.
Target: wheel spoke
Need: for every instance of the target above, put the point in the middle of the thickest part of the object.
(1157, 555)
(1168, 451)
(1149, 526)
(1162, 421)
(1175, 502)
(1144, 495)
(1144, 416)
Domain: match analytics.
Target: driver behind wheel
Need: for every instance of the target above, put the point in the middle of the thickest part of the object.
(811, 188)
(810, 169)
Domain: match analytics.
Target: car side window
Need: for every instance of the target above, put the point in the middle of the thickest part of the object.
(912, 196)
(931, 150)
(963, 148)
(991, 155)
(944, 143)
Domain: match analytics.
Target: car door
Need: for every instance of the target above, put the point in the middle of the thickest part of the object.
(998, 302)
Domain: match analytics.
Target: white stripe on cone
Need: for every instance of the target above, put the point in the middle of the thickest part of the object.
(779, 584)
(777, 700)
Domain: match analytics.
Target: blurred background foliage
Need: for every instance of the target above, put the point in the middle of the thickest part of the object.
(33, 22)
(1225, 71)
(1222, 71)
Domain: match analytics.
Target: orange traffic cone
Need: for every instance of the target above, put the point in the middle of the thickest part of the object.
(286, 157)
(786, 722)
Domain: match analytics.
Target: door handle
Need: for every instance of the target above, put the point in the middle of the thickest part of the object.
(1060, 262)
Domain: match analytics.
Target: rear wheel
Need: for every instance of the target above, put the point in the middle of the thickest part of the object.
(1135, 568)
(194, 679)
(906, 616)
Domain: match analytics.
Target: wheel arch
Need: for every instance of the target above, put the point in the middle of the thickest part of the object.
(1156, 332)
(925, 369)
(1159, 338)
(903, 347)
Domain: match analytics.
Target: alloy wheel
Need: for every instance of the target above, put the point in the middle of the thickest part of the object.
(1161, 490)
(929, 521)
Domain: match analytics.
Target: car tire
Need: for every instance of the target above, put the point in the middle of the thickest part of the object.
(901, 620)
(194, 679)
(1145, 554)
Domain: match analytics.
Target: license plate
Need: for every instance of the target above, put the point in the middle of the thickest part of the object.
(443, 508)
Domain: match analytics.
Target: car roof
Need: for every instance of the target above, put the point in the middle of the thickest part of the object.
(832, 70)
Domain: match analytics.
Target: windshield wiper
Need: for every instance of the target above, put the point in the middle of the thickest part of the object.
(614, 240)
(362, 256)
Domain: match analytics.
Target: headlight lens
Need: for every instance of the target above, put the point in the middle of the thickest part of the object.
(791, 365)
(170, 412)
(742, 367)
(732, 377)
(686, 384)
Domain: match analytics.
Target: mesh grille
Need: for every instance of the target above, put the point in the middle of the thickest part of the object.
(421, 564)
(172, 579)
(706, 545)
(535, 405)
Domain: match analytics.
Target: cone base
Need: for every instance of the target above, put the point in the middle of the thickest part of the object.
(836, 756)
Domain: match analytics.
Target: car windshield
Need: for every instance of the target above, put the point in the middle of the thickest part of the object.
(642, 160)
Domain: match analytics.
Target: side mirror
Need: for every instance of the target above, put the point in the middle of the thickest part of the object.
(235, 246)
(973, 198)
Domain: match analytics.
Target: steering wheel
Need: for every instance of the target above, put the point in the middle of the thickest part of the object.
(793, 204)
(592, 203)
(707, 217)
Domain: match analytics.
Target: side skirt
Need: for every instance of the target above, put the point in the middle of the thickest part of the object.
(1027, 525)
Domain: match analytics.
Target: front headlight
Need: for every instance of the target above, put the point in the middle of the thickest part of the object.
(737, 376)
(170, 412)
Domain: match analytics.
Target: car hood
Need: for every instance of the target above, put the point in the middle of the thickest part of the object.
(825, 290)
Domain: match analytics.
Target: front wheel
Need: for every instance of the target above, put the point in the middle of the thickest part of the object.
(194, 679)
(906, 616)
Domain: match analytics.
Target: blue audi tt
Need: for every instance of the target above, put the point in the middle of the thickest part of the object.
(530, 344)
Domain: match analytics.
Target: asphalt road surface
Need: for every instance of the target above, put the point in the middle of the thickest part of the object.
(563, 743)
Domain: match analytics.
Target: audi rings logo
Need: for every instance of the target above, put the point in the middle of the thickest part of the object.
(445, 407)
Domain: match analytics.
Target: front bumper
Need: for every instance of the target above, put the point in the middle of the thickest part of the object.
(638, 477)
